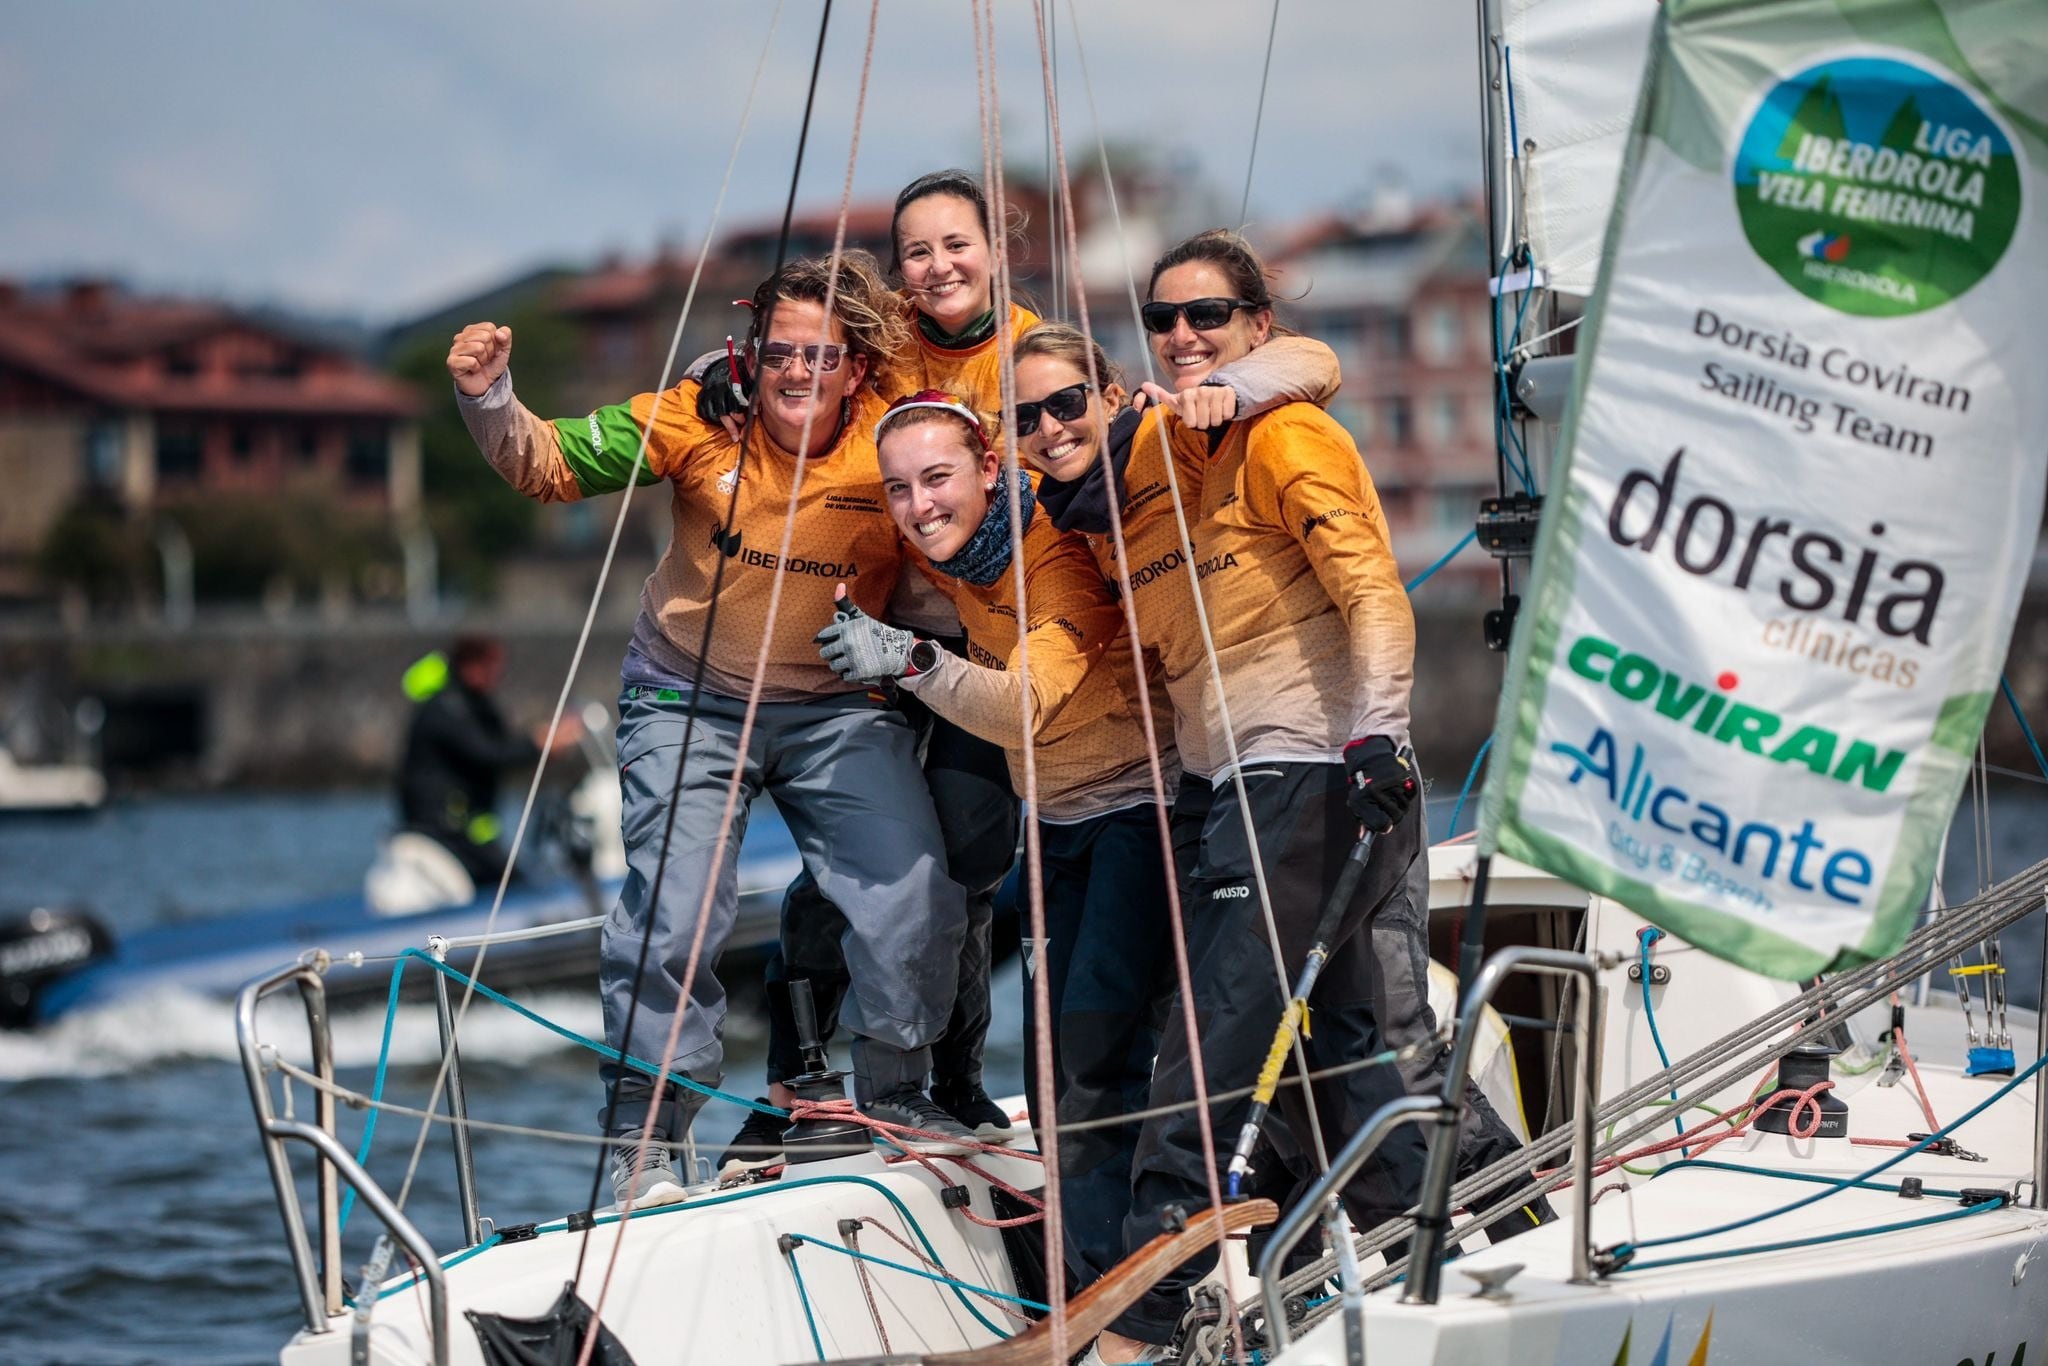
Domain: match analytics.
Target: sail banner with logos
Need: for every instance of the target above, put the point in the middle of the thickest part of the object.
(1801, 477)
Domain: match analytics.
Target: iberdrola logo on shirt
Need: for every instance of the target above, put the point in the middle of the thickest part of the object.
(1876, 186)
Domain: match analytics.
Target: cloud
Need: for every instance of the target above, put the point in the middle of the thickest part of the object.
(357, 156)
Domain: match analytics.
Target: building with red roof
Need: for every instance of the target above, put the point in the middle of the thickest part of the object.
(158, 401)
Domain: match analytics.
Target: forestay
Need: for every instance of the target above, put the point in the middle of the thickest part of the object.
(1802, 480)
(1573, 68)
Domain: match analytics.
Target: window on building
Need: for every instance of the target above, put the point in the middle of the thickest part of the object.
(103, 453)
(1393, 335)
(179, 453)
(1445, 333)
(1355, 418)
(308, 445)
(1338, 331)
(1445, 410)
(181, 364)
(368, 464)
(242, 441)
(1400, 422)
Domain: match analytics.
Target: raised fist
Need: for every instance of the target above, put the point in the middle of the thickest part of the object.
(479, 355)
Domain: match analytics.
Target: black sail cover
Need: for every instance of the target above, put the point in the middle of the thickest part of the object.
(553, 1339)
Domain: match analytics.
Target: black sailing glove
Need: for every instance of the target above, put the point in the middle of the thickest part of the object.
(720, 396)
(1380, 785)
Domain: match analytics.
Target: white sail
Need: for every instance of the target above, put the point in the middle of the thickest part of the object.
(1574, 67)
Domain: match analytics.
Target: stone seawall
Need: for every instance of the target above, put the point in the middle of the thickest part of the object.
(253, 702)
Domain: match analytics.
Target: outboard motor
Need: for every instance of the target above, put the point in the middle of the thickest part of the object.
(37, 948)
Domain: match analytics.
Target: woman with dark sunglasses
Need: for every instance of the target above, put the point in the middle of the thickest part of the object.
(1314, 644)
(841, 765)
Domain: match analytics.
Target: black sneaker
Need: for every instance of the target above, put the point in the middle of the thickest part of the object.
(758, 1145)
(907, 1107)
(968, 1103)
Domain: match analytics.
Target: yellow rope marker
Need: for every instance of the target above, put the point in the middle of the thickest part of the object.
(1296, 1015)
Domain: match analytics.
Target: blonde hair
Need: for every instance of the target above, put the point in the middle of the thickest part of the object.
(866, 309)
(1060, 341)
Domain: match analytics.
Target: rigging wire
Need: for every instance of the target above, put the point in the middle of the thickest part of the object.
(1251, 161)
(1198, 1078)
(697, 677)
(596, 596)
(722, 837)
(983, 14)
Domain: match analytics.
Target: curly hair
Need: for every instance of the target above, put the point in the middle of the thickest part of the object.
(867, 310)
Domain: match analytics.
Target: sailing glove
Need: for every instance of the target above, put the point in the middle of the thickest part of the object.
(863, 650)
(720, 395)
(1380, 784)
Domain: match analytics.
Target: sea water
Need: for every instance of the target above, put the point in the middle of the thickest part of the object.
(136, 1217)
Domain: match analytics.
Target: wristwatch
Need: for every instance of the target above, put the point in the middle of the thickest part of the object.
(924, 656)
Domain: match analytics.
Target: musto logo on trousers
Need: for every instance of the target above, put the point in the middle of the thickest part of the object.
(1876, 187)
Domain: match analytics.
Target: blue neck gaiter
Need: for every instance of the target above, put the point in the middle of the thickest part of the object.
(987, 552)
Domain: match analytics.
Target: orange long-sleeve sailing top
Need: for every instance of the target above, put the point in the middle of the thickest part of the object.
(842, 531)
(1089, 749)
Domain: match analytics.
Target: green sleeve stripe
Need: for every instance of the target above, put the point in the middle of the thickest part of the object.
(600, 449)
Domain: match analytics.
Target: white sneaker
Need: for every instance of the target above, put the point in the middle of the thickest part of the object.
(651, 1182)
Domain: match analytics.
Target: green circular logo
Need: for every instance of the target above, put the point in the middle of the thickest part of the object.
(1876, 187)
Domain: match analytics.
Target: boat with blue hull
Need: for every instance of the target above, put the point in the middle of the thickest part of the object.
(55, 961)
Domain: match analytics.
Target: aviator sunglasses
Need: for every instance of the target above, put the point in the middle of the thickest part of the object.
(1066, 405)
(1204, 315)
(819, 358)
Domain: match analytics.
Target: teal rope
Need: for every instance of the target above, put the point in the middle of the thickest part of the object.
(348, 1197)
(1442, 560)
(1817, 1239)
(2005, 687)
(750, 1193)
(1888, 1187)
(810, 1319)
(603, 1050)
(1645, 937)
(920, 1271)
(1471, 776)
(1625, 1250)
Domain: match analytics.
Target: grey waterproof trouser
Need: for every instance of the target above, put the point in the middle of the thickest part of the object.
(844, 774)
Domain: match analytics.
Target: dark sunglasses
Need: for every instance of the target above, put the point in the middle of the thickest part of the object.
(819, 358)
(1066, 405)
(1204, 315)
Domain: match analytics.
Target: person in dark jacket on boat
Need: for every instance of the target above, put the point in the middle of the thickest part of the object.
(456, 749)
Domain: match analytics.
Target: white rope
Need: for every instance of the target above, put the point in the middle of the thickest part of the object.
(596, 596)
(1187, 549)
(721, 840)
(1053, 1226)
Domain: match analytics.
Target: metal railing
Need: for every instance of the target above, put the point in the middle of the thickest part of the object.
(319, 1278)
(1433, 1219)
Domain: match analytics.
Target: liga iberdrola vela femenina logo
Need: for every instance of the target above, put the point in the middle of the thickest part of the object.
(1876, 186)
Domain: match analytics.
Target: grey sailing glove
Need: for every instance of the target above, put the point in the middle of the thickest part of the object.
(863, 650)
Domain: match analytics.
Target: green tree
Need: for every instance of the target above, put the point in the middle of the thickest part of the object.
(474, 516)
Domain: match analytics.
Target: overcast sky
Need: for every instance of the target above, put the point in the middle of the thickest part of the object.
(377, 157)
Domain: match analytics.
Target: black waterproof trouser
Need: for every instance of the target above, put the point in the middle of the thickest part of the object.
(969, 781)
(1373, 985)
(1108, 965)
